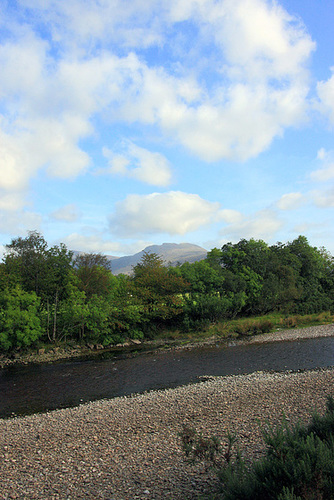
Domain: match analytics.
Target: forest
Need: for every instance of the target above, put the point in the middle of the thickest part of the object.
(51, 295)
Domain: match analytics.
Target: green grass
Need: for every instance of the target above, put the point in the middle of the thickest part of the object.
(247, 327)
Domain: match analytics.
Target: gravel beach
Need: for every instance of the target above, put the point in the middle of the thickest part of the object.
(129, 448)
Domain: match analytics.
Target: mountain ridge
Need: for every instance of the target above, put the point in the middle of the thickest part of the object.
(171, 253)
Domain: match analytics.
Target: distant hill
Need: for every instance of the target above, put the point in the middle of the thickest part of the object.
(171, 253)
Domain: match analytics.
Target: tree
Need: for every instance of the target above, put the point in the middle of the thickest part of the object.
(201, 277)
(20, 325)
(157, 288)
(94, 273)
(314, 275)
(26, 259)
(42, 270)
(244, 265)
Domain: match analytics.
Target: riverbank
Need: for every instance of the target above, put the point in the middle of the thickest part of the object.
(129, 448)
(58, 354)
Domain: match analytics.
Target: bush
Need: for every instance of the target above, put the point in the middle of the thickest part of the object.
(20, 325)
(250, 327)
(202, 310)
(298, 465)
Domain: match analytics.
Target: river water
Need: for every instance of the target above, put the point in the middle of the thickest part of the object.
(38, 388)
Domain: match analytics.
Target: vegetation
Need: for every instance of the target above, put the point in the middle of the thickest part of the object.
(298, 462)
(48, 295)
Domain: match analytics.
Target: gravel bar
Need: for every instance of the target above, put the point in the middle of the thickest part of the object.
(129, 448)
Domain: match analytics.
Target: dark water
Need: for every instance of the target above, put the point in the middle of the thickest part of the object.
(36, 388)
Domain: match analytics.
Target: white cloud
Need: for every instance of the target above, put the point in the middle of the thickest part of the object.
(95, 243)
(230, 216)
(290, 201)
(261, 225)
(129, 24)
(68, 213)
(326, 95)
(11, 201)
(173, 213)
(326, 172)
(261, 87)
(39, 125)
(262, 40)
(323, 198)
(141, 164)
(19, 222)
(15, 166)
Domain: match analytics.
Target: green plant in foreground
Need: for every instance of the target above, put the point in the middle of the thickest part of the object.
(208, 449)
(298, 463)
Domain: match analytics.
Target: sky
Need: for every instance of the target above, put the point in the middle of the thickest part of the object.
(125, 124)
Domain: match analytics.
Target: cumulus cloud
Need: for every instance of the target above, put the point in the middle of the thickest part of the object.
(88, 23)
(230, 216)
(261, 225)
(58, 84)
(323, 198)
(96, 243)
(174, 212)
(19, 222)
(326, 171)
(68, 213)
(290, 201)
(326, 96)
(38, 125)
(11, 201)
(140, 164)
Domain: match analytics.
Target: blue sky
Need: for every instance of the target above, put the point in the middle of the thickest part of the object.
(125, 124)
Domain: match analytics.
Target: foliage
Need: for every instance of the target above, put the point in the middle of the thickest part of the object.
(19, 322)
(42, 270)
(157, 289)
(202, 309)
(208, 449)
(94, 273)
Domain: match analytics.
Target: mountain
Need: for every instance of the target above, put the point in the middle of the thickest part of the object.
(171, 253)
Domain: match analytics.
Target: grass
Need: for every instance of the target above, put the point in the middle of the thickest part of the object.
(248, 326)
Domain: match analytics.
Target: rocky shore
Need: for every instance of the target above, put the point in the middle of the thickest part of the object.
(129, 448)
(64, 353)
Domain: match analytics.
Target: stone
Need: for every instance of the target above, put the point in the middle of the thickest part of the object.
(135, 341)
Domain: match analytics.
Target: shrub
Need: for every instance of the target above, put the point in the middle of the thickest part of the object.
(298, 465)
(208, 449)
(20, 325)
(253, 327)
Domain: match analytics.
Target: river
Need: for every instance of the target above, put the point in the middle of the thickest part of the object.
(42, 387)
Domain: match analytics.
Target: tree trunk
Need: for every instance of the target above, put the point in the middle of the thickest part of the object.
(55, 318)
(48, 319)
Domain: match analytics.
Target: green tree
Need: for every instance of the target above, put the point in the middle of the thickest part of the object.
(314, 275)
(94, 273)
(201, 277)
(20, 325)
(158, 289)
(42, 270)
(244, 265)
(25, 258)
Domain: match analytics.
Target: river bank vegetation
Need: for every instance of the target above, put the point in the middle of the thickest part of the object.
(298, 462)
(49, 296)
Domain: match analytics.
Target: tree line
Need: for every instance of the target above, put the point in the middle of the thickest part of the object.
(49, 294)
